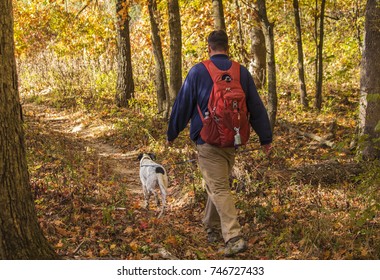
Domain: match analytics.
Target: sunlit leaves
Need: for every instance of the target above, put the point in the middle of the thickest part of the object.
(52, 25)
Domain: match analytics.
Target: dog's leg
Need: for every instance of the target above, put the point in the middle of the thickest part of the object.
(146, 198)
(156, 198)
(149, 187)
(161, 212)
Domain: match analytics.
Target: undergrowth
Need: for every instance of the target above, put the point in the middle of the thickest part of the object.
(307, 201)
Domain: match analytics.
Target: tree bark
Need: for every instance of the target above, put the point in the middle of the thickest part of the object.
(301, 69)
(175, 81)
(219, 22)
(160, 73)
(258, 66)
(271, 63)
(319, 60)
(125, 86)
(20, 234)
(243, 54)
(370, 83)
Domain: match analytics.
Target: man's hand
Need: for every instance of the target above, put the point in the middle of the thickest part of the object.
(267, 149)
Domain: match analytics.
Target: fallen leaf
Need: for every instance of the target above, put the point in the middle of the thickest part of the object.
(59, 244)
(128, 230)
(134, 246)
(103, 252)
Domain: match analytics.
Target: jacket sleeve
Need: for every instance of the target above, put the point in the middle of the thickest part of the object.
(183, 107)
(258, 117)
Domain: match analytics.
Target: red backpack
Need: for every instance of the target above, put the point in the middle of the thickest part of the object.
(226, 120)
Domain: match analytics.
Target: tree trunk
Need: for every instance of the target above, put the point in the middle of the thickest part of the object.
(271, 63)
(20, 234)
(175, 82)
(240, 45)
(370, 83)
(219, 23)
(319, 60)
(301, 69)
(125, 85)
(160, 77)
(258, 62)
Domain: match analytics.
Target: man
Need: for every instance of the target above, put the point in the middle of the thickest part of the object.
(216, 163)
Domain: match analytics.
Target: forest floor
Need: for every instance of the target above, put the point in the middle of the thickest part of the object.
(308, 201)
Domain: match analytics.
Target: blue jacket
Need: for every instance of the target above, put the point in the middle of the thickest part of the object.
(196, 89)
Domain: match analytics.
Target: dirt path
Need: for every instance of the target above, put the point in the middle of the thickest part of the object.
(101, 216)
(79, 126)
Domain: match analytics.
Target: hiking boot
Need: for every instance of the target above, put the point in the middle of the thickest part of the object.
(213, 236)
(234, 246)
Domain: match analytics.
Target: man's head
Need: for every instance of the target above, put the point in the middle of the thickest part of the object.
(218, 41)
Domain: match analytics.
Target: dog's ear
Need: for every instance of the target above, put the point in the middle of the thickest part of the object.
(152, 156)
(140, 156)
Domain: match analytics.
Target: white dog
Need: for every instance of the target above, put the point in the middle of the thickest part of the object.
(151, 175)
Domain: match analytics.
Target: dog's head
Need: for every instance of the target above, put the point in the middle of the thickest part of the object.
(146, 155)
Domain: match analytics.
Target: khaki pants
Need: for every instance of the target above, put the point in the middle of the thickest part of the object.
(220, 212)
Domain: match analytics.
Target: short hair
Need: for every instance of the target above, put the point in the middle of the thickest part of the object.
(218, 40)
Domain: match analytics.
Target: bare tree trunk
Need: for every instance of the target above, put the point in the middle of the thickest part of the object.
(258, 66)
(243, 54)
(219, 22)
(370, 83)
(175, 82)
(160, 79)
(125, 86)
(269, 42)
(20, 234)
(319, 60)
(301, 70)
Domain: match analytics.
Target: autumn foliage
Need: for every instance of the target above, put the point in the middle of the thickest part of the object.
(308, 200)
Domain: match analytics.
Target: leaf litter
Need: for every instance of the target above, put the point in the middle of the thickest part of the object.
(299, 204)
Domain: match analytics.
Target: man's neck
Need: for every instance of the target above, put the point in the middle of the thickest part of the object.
(212, 52)
(218, 52)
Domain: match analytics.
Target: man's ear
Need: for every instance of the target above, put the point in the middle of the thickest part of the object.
(208, 49)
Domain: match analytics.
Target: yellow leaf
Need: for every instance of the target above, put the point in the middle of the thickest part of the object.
(128, 230)
(364, 252)
(277, 209)
(134, 246)
(113, 246)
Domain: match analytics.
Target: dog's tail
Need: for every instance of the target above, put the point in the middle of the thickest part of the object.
(163, 183)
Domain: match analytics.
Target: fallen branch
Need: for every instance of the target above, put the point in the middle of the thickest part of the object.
(166, 254)
(315, 137)
(78, 247)
(93, 208)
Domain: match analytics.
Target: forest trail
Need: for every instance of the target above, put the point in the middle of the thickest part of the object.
(89, 198)
(85, 181)
(77, 126)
